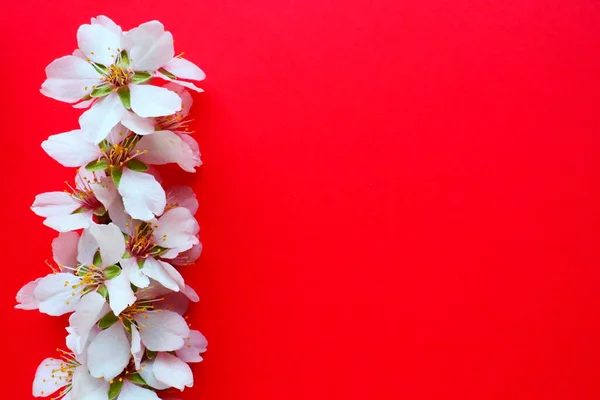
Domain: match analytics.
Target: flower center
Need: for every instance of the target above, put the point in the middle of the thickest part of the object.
(64, 373)
(117, 76)
(85, 195)
(141, 242)
(118, 154)
(176, 122)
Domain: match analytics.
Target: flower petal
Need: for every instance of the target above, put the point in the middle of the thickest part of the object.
(150, 46)
(187, 257)
(49, 377)
(182, 196)
(107, 23)
(86, 387)
(54, 203)
(71, 149)
(109, 353)
(177, 229)
(64, 249)
(120, 294)
(185, 84)
(137, 124)
(147, 374)
(143, 197)
(90, 309)
(171, 371)
(69, 79)
(173, 301)
(25, 297)
(186, 98)
(196, 160)
(130, 391)
(184, 69)
(162, 331)
(104, 114)
(66, 223)
(137, 347)
(99, 43)
(134, 273)
(153, 101)
(110, 242)
(195, 344)
(163, 273)
(164, 147)
(56, 295)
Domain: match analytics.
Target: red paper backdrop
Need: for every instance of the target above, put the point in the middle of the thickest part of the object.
(400, 199)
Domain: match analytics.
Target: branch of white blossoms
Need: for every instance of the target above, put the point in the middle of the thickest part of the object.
(122, 236)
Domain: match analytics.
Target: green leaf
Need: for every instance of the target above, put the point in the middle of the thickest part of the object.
(167, 73)
(137, 379)
(124, 59)
(125, 97)
(101, 91)
(104, 146)
(97, 165)
(116, 174)
(100, 211)
(150, 354)
(101, 69)
(97, 259)
(115, 388)
(108, 320)
(102, 291)
(140, 77)
(136, 165)
(112, 272)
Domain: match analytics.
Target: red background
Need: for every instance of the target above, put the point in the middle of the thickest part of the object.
(400, 199)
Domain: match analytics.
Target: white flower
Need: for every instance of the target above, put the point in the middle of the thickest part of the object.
(166, 371)
(121, 154)
(112, 66)
(92, 196)
(148, 244)
(98, 249)
(138, 327)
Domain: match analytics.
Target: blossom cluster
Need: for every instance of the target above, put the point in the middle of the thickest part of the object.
(122, 235)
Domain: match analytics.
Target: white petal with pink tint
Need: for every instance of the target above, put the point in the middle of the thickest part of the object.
(108, 354)
(147, 374)
(137, 124)
(130, 391)
(184, 69)
(64, 249)
(163, 273)
(97, 122)
(171, 371)
(69, 79)
(194, 345)
(177, 229)
(134, 273)
(66, 223)
(25, 296)
(150, 46)
(162, 330)
(71, 149)
(54, 203)
(49, 377)
(120, 294)
(99, 43)
(164, 147)
(55, 293)
(90, 309)
(182, 196)
(110, 242)
(143, 197)
(153, 101)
